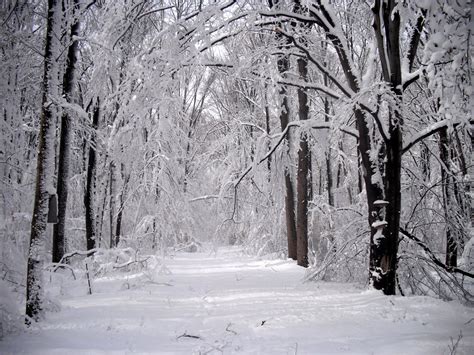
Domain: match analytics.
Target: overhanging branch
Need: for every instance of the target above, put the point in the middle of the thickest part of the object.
(433, 257)
(433, 129)
(281, 136)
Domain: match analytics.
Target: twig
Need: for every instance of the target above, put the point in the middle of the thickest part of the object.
(230, 330)
(57, 266)
(74, 253)
(454, 345)
(159, 283)
(88, 279)
(119, 266)
(185, 335)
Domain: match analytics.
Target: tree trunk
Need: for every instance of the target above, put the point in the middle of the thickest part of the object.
(121, 199)
(45, 168)
(384, 235)
(328, 153)
(90, 193)
(69, 84)
(112, 187)
(447, 183)
(303, 171)
(283, 64)
(118, 225)
(267, 130)
(384, 241)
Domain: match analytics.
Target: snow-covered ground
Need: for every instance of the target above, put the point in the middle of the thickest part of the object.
(225, 303)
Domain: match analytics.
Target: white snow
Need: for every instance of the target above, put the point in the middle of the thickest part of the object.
(226, 303)
(379, 224)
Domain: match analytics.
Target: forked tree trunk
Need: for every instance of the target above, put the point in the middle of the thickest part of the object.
(381, 174)
(69, 84)
(45, 168)
(384, 237)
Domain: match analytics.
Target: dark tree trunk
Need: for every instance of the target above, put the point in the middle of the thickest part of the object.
(425, 162)
(118, 225)
(326, 103)
(90, 193)
(112, 188)
(290, 195)
(328, 153)
(384, 240)
(384, 246)
(302, 175)
(283, 66)
(447, 182)
(267, 129)
(45, 169)
(69, 84)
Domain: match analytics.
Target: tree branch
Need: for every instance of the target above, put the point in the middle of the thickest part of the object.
(282, 135)
(435, 128)
(415, 39)
(305, 85)
(433, 257)
(324, 70)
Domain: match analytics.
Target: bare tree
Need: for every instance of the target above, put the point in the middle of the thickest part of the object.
(69, 87)
(90, 192)
(283, 64)
(45, 168)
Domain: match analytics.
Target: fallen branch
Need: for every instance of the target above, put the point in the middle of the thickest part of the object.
(433, 257)
(159, 283)
(74, 253)
(119, 266)
(57, 266)
(185, 335)
(230, 330)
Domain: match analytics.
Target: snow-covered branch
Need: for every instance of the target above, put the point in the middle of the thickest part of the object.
(345, 90)
(433, 257)
(281, 136)
(433, 129)
(305, 85)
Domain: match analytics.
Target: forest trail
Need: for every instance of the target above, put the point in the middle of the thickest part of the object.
(226, 303)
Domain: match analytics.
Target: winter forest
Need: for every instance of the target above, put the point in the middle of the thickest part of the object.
(236, 176)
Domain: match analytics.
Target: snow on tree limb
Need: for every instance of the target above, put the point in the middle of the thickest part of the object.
(433, 257)
(433, 129)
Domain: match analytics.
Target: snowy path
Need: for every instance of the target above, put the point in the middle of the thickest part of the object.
(225, 303)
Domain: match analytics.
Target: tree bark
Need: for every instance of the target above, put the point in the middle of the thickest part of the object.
(90, 193)
(45, 168)
(267, 130)
(283, 64)
(328, 153)
(121, 199)
(112, 188)
(449, 205)
(69, 85)
(302, 175)
(384, 238)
